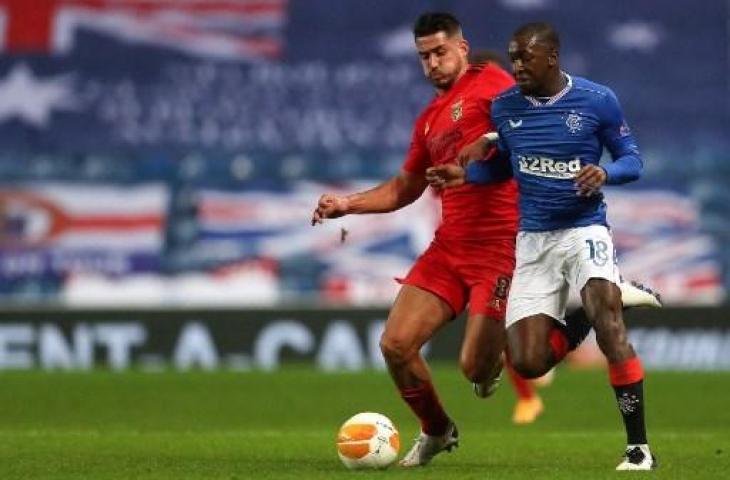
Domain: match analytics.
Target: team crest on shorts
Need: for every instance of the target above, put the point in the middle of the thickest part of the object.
(457, 110)
(573, 122)
(501, 290)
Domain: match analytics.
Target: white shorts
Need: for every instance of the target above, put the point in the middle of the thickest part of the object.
(550, 263)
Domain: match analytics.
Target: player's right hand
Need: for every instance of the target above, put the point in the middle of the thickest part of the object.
(476, 150)
(447, 175)
(329, 206)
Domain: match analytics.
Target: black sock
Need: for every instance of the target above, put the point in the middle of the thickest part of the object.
(577, 327)
(631, 405)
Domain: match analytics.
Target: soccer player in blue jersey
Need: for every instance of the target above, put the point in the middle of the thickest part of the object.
(553, 128)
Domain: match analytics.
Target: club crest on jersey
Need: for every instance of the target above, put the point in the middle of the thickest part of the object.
(624, 129)
(457, 110)
(573, 122)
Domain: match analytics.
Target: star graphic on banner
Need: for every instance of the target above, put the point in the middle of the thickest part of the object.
(32, 99)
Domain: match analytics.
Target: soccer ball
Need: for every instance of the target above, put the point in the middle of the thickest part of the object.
(368, 440)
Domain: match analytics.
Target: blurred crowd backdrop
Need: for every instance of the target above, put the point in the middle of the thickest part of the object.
(159, 152)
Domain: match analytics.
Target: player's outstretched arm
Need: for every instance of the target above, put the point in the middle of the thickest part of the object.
(391, 195)
(329, 206)
(476, 150)
(480, 172)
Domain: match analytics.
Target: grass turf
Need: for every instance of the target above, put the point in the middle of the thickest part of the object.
(106, 425)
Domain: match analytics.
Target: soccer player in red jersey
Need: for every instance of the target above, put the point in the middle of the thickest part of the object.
(529, 404)
(471, 257)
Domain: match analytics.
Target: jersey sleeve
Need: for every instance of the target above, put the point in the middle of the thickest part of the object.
(497, 166)
(497, 121)
(489, 171)
(616, 136)
(417, 159)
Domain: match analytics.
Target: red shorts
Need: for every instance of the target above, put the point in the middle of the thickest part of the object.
(475, 273)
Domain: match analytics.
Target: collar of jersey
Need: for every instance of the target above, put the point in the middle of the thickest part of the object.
(539, 102)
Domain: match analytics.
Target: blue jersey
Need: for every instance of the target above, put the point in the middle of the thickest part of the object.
(548, 140)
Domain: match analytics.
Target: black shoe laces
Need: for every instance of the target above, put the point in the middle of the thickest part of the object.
(635, 455)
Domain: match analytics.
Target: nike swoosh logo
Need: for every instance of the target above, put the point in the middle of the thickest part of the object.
(516, 124)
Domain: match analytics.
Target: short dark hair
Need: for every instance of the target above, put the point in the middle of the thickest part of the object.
(487, 56)
(544, 31)
(434, 22)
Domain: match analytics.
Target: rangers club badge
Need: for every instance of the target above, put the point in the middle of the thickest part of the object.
(624, 129)
(457, 111)
(573, 122)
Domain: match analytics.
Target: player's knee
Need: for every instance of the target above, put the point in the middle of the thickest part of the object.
(530, 364)
(397, 349)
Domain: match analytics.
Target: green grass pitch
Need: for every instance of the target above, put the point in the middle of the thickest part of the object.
(281, 425)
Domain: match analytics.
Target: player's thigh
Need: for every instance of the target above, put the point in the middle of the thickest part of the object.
(435, 273)
(538, 285)
(528, 344)
(601, 296)
(592, 255)
(415, 317)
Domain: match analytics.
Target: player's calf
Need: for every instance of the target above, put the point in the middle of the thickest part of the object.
(612, 337)
(602, 303)
(482, 351)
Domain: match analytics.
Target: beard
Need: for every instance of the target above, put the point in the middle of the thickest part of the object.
(443, 83)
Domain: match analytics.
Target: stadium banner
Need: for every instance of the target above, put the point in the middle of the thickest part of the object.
(330, 339)
(60, 230)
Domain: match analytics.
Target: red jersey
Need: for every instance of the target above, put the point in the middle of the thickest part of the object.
(450, 122)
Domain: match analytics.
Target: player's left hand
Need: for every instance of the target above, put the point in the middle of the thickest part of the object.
(589, 180)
